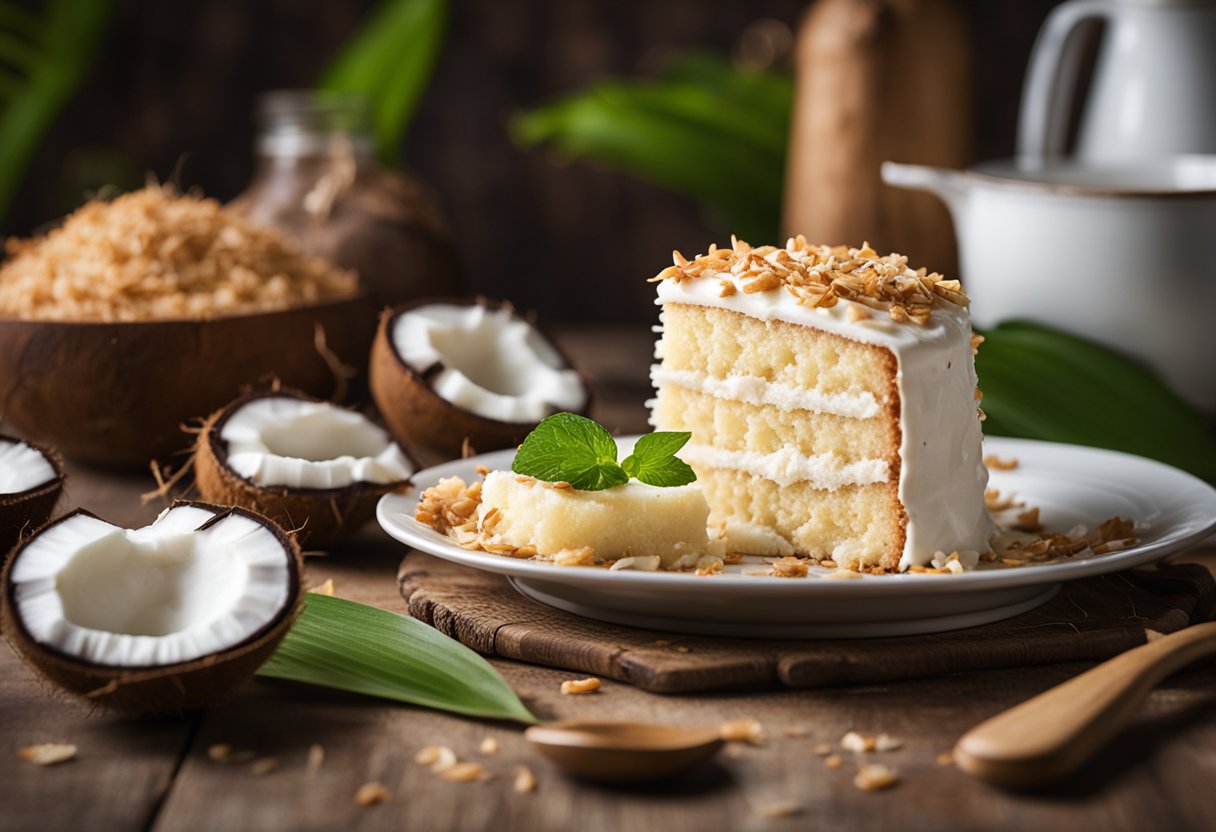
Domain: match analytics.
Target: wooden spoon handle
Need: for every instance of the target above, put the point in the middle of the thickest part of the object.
(1051, 735)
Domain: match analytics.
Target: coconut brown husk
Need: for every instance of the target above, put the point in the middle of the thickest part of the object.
(317, 516)
(116, 394)
(167, 688)
(416, 414)
(23, 512)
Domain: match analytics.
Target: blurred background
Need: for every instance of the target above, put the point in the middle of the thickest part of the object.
(171, 87)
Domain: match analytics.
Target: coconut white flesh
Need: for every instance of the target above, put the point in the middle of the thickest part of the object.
(22, 467)
(493, 363)
(302, 444)
(163, 594)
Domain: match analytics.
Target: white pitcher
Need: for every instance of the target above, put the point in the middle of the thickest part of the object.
(1154, 85)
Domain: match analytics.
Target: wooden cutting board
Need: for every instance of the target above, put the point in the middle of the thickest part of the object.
(1089, 620)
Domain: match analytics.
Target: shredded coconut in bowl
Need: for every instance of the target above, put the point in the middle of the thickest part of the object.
(156, 254)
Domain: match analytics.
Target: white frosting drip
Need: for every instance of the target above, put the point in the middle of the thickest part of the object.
(759, 391)
(22, 468)
(942, 475)
(788, 466)
(285, 441)
(491, 362)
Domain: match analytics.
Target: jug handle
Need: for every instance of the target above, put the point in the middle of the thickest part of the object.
(950, 186)
(1051, 80)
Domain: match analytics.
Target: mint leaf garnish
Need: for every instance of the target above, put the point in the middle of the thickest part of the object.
(571, 448)
(654, 459)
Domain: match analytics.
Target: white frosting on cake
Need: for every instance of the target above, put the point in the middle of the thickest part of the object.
(788, 466)
(759, 391)
(942, 475)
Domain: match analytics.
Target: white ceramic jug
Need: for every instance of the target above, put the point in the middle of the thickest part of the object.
(1153, 91)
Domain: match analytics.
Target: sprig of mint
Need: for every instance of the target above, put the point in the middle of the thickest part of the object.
(570, 448)
(654, 459)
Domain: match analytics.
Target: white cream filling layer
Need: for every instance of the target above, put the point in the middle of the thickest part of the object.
(759, 391)
(22, 467)
(280, 440)
(942, 477)
(491, 362)
(159, 595)
(789, 466)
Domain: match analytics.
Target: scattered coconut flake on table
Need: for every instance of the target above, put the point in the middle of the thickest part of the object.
(874, 776)
(437, 758)
(855, 741)
(742, 730)
(574, 687)
(525, 780)
(466, 772)
(782, 808)
(489, 746)
(263, 766)
(48, 753)
(326, 588)
(370, 794)
(886, 742)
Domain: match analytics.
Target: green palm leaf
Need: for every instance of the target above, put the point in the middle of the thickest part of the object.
(341, 644)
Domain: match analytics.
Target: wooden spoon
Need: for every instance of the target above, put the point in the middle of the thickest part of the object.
(1052, 735)
(622, 752)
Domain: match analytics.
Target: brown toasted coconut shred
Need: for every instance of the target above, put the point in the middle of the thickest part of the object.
(820, 276)
(154, 254)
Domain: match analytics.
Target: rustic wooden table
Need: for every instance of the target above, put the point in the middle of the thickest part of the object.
(156, 774)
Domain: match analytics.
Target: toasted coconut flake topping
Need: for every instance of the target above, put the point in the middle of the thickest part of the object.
(821, 276)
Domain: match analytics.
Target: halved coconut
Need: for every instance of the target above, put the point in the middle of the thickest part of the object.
(309, 465)
(444, 372)
(31, 480)
(160, 619)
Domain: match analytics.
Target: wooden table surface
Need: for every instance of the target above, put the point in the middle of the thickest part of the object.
(156, 774)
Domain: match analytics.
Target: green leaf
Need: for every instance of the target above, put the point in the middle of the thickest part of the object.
(707, 130)
(390, 61)
(571, 448)
(654, 460)
(1039, 383)
(50, 67)
(341, 644)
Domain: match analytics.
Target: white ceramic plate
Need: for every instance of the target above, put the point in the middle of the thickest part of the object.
(1071, 485)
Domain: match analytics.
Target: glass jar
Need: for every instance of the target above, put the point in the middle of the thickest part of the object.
(317, 178)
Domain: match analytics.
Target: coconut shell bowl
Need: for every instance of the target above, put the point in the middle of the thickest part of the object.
(116, 395)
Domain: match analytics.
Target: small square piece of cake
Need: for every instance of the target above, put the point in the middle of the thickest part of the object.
(630, 520)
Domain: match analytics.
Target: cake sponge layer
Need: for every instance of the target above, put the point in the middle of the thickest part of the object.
(720, 343)
(737, 426)
(856, 526)
(627, 520)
